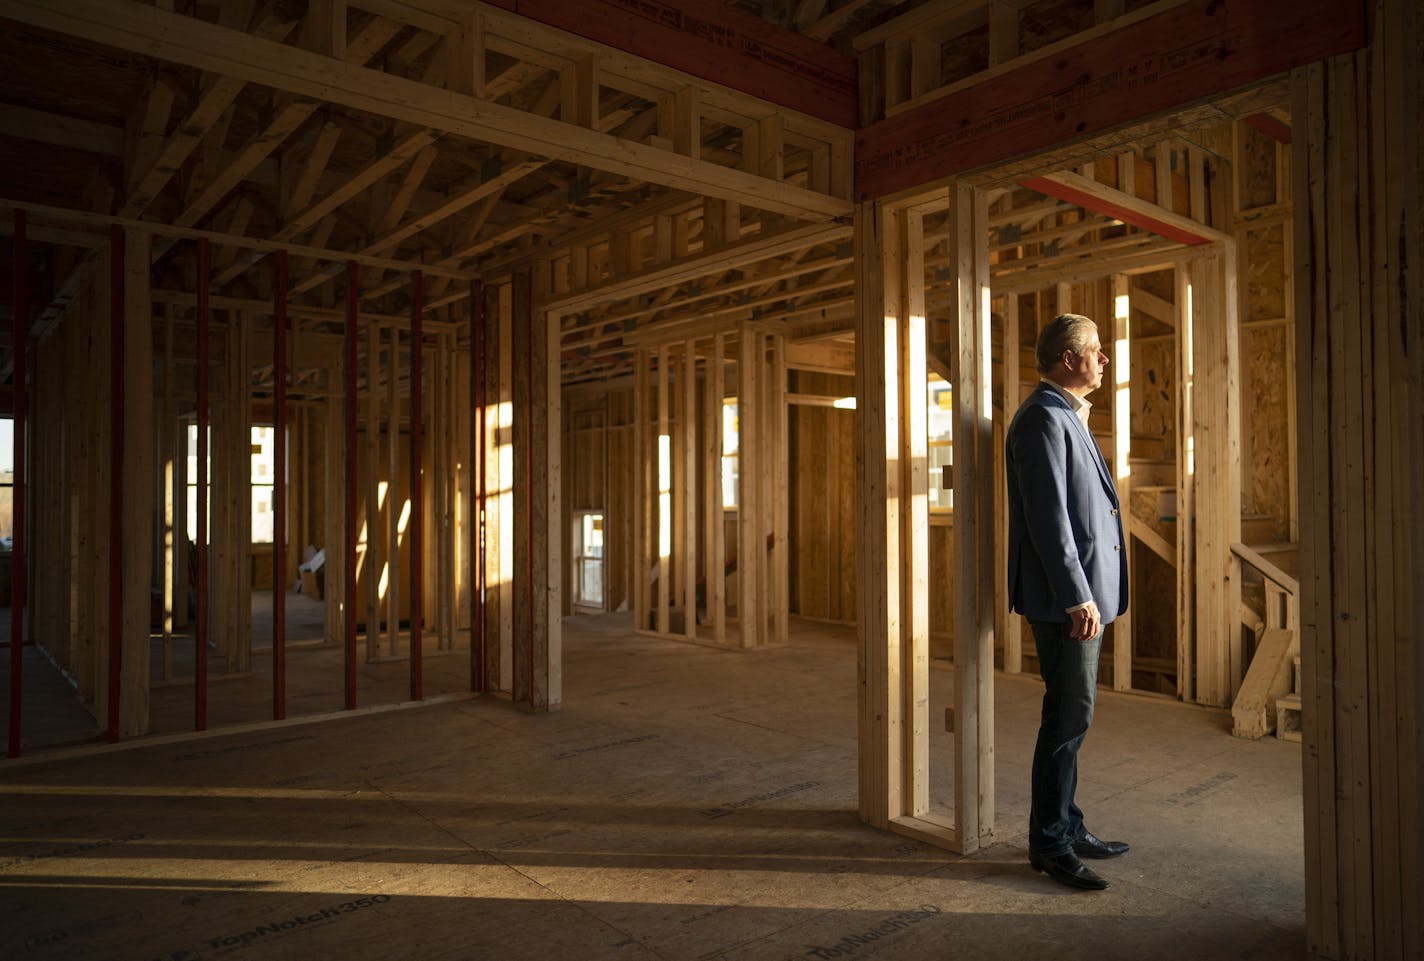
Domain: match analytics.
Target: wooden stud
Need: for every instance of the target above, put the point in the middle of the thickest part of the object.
(548, 424)
(1121, 461)
(139, 473)
(1185, 400)
(973, 505)
(877, 535)
(780, 494)
(373, 521)
(242, 501)
(395, 505)
(638, 568)
(1217, 446)
(662, 471)
(914, 482)
(465, 58)
(347, 562)
(418, 540)
(1162, 173)
(1008, 625)
(673, 563)
(1003, 31)
(716, 543)
(172, 494)
(204, 494)
(524, 640)
(688, 492)
(280, 536)
(749, 545)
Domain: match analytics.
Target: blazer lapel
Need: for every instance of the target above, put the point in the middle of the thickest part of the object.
(1092, 441)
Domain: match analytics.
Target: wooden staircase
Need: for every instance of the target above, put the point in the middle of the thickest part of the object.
(1269, 699)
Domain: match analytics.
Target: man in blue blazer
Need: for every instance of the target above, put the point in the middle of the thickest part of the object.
(1068, 576)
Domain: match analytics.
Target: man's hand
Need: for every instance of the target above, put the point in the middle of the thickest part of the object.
(1085, 622)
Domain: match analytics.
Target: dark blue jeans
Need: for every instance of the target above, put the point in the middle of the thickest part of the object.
(1070, 676)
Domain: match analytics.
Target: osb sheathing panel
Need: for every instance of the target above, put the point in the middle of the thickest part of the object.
(1160, 282)
(1155, 582)
(942, 581)
(1265, 454)
(1265, 273)
(1154, 390)
(1256, 160)
(965, 55)
(1105, 171)
(1049, 21)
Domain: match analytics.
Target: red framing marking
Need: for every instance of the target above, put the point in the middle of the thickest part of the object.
(1107, 208)
(715, 42)
(417, 493)
(1270, 126)
(279, 506)
(116, 473)
(352, 301)
(20, 305)
(478, 680)
(200, 630)
(1182, 55)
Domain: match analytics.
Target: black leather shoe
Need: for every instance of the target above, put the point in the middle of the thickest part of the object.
(1088, 846)
(1066, 869)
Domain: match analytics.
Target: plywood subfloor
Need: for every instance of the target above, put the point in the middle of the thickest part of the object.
(687, 803)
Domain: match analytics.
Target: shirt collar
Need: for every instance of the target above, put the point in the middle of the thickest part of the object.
(1078, 405)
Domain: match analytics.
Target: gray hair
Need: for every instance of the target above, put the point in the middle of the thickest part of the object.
(1064, 332)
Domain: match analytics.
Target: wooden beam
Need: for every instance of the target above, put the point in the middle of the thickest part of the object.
(1270, 126)
(714, 42)
(1102, 199)
(217, 95)
(59, 130)
(132, 26)
(260, 246)
(832, 23)
(1190, 52)
(692, 266)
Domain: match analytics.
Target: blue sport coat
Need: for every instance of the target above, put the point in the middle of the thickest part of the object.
(1066, 545)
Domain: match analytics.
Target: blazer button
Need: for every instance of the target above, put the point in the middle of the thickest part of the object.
(1113, 512)
(1117, 547)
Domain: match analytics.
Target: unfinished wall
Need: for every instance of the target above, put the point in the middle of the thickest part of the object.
(598, 468)
(73, 420)
(1356, 160)
(822, 456)
(1267, 369)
